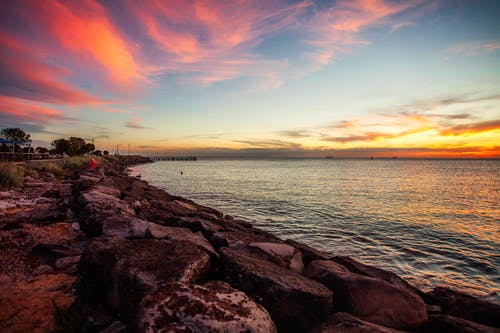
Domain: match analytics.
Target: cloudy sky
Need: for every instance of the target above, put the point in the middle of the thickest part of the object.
(412, 78)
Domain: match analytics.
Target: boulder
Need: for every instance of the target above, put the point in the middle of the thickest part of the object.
(342, 322)
(294, 301)
(282, 254)
(458, 304)
(213, 307)
(367, 270)
(161, 232)
(107, 190)
(237, 238)
(371, 299)
(43, 269)
(308, 253)
(125, 270)
(206, 227)
(97, 207)
(124, 226)
(450, 324)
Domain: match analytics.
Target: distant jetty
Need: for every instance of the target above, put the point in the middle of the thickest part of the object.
(173, 158)
(100, 250)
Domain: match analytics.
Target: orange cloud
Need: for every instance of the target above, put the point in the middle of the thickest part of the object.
(25, 75)
(472, 128)
(84, 28)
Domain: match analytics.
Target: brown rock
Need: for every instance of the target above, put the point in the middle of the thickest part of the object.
(237, 238)
(457, 304)
(449, 324)
(308, 253)
(342, 322)
(126, 270)
(124, 226)
(370, 299)
(367, 270)
(161, 232)
(63, 263)
(213, 307)
(295, 302)
(283, 254)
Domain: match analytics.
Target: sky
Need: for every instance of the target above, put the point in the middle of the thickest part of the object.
(361, 78)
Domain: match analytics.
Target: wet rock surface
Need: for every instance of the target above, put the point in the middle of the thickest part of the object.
(101, 251)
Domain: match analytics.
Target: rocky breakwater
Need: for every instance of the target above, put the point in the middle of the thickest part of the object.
(149, 261)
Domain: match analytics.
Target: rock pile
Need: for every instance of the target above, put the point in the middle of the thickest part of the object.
(150, 262)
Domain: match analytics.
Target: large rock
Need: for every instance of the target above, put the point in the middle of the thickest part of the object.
(465, 306)
(367, 270)
(213, 307)
(124, 226)
(125, 270)
(371, 299)
(450, 324)
(283, 254)
(237, 238)
(96, 207)
(206, 227)
(342, 322)
(184, 234)
(295, 302)
(308, 253)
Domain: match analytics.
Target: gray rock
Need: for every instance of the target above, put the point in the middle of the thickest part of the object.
(107, 190)
(213, 307)
(43, 200)
(368, 298)
(238, 237)
(342, 322)
(294, 301)
(308, 253)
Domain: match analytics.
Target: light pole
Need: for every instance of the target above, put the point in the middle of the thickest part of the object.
(117, 152)
(128, 150)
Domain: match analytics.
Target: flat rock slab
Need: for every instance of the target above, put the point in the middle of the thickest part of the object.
(213, 307)
(370, 299)
(126, 270)
(183, 234)
(295, 302)
(342, 322)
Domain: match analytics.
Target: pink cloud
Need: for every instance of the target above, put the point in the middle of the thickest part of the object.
(26, 110)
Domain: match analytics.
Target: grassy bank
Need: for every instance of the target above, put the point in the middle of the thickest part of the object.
(12, 174)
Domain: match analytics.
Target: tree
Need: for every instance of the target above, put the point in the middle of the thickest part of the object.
(61, 146)
(15, 134)
(105, 153)
(87, 148)
(41, 150)
(77, 146)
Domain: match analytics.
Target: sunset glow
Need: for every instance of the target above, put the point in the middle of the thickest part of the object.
(413, 78)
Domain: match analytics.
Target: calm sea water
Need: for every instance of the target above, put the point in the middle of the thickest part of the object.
(434, 222)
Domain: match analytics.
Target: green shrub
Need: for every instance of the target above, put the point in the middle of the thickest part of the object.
(11, 175)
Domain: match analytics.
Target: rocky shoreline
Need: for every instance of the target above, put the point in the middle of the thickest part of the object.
(105, 252)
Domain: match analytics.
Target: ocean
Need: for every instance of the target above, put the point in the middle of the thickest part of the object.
(433, 222)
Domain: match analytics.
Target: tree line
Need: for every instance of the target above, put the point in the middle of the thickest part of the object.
(72, 146)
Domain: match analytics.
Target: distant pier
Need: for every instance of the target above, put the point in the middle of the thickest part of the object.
(173, 158)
